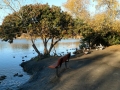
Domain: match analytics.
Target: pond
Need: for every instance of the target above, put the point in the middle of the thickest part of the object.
(11, 56)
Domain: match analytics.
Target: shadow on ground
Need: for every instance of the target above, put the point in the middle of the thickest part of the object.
(90, 72)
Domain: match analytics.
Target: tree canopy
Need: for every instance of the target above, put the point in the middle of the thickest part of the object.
(39, 20)
(78, 8)
(103, 26)
(53, 24)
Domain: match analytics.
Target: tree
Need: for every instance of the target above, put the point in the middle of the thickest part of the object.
(102, 27)
(110, 7)
(103, 23)
(84, 30)
(39, 20)
(78, 8)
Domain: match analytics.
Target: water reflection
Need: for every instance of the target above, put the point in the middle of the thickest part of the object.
(66, 46)
(11, 56)
(20, 46)
(3, 45)
(62, 46)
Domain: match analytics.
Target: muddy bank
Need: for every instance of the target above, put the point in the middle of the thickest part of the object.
(39, 71)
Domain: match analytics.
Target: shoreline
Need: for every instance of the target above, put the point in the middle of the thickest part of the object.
(35, 68)
(43, 78)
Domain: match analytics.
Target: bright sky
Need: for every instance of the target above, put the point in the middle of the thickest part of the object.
(54, 2)
(5, 12)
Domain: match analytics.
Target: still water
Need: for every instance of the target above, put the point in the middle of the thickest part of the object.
(11, 56)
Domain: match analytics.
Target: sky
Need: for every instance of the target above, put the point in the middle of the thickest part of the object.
(54, 2)
(4, 12)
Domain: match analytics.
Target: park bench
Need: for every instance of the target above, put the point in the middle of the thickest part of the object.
(58, 63)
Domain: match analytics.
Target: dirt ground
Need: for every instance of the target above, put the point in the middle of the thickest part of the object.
(99, 70)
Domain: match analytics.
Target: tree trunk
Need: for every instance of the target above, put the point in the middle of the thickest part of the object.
(45, 46)
(35, 48)
(45, 49)
(53, 44)
(51, 48)
(89, 42)
(45, 41)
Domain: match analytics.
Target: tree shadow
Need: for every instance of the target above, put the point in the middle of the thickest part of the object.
(83, 73)
(90, 74)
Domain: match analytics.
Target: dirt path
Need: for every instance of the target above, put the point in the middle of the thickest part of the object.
(99, 70)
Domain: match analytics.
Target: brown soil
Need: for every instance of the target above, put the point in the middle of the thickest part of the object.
(99, 70)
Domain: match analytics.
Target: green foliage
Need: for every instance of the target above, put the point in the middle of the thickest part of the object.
(106, 39)
(96, 28)
(10, 28)
(108, 33)
(39, 20)
(112, 38)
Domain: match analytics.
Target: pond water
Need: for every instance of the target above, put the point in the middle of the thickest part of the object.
(11, 56)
